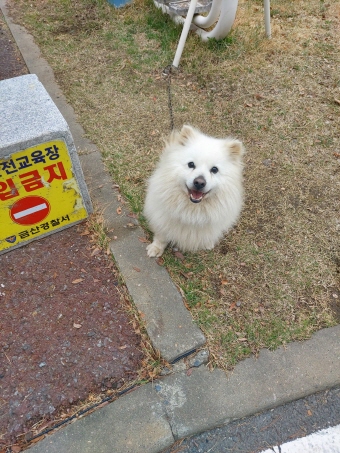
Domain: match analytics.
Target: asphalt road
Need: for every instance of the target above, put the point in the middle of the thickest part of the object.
(272, 428)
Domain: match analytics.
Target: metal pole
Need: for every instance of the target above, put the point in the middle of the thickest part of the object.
(185, 31)
(266, 4)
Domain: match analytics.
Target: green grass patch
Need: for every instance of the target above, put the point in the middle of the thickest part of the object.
(272, 279)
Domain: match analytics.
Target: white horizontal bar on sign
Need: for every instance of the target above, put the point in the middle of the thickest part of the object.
(29, 211)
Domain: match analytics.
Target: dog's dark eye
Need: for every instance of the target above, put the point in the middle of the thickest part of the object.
(191, 165)
(214, 170)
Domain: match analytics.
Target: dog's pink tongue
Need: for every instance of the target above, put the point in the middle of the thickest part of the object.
(196, 194)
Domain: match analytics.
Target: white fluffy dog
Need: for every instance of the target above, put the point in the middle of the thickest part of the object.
(195, 194)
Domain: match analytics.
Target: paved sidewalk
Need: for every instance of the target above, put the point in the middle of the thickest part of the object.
(189, 401)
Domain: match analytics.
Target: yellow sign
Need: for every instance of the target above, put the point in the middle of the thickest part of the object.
(38, 193)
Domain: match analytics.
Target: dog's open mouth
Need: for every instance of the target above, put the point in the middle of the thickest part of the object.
(196, 196)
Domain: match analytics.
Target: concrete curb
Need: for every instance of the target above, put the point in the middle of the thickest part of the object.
(167, 321)
(153, 416)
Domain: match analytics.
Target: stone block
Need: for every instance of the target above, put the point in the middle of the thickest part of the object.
(42, 187)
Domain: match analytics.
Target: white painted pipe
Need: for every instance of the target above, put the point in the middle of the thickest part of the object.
(211, 18)
(266, 4)
(224, 23)
(185, 31)
(222, 11)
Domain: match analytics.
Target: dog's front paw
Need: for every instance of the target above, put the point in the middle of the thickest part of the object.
(154, 250)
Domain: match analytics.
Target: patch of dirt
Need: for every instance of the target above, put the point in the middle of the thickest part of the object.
(64, 331)
(11, 62)
(65, 334)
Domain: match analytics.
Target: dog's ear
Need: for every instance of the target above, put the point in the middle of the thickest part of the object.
(235, 148)
(187, 132)
(183, 136)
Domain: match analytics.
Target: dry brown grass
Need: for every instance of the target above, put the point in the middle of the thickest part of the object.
(275, 277)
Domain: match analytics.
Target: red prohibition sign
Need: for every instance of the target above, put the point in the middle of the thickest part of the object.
(30, 210)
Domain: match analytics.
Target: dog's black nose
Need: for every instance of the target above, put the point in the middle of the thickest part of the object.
(199, 183)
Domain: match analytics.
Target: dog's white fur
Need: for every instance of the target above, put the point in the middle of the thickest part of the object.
(190, 219)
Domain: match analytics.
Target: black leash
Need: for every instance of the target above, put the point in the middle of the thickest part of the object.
(168, 72)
